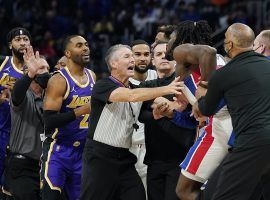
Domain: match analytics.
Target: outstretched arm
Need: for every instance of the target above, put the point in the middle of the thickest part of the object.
(189, 57)
(122, 94)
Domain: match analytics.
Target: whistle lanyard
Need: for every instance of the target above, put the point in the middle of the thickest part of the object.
(120, 84)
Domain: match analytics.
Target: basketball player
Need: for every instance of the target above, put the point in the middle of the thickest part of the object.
(66, 116)
(10, 70)
(199, 61)
(193, 33)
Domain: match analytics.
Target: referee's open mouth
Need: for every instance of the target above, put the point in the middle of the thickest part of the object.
(131, 68)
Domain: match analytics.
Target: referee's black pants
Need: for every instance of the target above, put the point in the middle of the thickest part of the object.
(22, 178)
(109, 174)
(244, 174)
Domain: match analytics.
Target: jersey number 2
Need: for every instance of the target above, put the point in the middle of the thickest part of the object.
(84, 122)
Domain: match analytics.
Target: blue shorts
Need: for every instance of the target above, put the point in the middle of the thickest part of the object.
(62, 166)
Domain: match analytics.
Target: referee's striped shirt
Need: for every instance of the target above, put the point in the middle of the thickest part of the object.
(111, 123)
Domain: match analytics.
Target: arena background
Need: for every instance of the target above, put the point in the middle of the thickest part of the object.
(107, 22)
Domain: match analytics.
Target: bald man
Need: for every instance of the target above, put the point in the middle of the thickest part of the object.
(262, 43)
(244, 83)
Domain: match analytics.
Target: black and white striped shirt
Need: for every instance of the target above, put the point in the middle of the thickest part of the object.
(110, 123)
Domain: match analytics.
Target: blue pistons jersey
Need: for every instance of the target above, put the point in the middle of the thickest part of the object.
(76, 95)
(9, 73)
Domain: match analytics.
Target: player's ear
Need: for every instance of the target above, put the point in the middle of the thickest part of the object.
(67, 53)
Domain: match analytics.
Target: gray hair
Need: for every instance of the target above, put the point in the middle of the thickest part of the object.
(110, 54)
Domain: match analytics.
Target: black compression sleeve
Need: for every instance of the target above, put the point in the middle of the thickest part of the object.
(53, 119)
(20, 88)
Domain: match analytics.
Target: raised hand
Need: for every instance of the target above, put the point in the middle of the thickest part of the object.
(35, 64)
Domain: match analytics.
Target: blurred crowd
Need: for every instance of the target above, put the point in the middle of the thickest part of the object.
(106, 22)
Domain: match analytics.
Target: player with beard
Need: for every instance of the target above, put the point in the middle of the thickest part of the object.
(66, 116)
(10, 70)
(142, 56)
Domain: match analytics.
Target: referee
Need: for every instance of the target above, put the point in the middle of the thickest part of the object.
(244, 83)
(108, 165)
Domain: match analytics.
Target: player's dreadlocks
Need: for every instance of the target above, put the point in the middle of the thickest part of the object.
(193, 32)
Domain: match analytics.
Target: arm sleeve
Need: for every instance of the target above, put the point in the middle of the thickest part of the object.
(103, 89)
(18, 93)
(183, 119)
(209, 103)
(53, 119)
